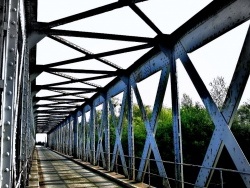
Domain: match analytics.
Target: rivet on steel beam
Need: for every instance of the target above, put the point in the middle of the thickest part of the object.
(8, 107)
(10, 78)
(8, 138)
(7, 170)
(7, 153)
(9, 92)
(14, 9)
(11, 63)
(12, 49)
(13, 22)
(6, 185)
(12, 36)
(7, 123)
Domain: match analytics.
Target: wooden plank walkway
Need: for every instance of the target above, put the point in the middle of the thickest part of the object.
(57, 171)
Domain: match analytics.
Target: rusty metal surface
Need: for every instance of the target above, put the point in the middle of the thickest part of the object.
(57, 171)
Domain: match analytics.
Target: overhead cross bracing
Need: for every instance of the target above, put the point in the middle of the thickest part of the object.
(48, 89)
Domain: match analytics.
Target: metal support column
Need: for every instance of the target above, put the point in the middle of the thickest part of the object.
(131, 147)
(7, 130)
(107, 131)
(83, 124)
(177, 135)
(92, 134)
(75, 134)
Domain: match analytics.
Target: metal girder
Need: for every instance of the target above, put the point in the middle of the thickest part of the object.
(150, 139)
(3, 27)
(79, 80)
(100, 55)
(8, 61)
(118, 150)
(222, 130)
(43, 68)
(177, 134)
(64, 93)
(93, 35)
(75, 135)
(92, 131)
(131, 142)
(39, 87)
(82, 15)
(151, 126)
(82, 50)
(230, 106)
(99, 148)
(145, 18)
(86, 14)
(211, 22)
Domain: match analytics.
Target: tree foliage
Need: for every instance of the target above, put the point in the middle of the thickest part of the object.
(197, 129)
(219, 90)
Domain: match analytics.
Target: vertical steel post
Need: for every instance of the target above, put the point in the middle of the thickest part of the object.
(83, 123)
(79, 127)
(107, 131)
(7, 130)
(2, 25)
(169, 52)
(131, 147)
(63, 138)
(75, 135)
(176, 123)
(92, 134)
(24, 117)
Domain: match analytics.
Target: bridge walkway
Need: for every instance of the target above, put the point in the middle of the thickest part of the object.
(57, 171)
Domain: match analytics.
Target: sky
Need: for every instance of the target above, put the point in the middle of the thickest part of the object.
(218, 58)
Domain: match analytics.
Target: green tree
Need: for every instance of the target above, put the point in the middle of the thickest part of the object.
(186, 101)
(218, 90)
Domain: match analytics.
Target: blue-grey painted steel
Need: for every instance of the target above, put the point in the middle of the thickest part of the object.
(179, 180)
(152, 122)
(151, 138)
(118, 150)
(213, 26)
(8, 127)
(131, 146)
(106, 126)
(230, 106)
(177, 135)
(221, 127)
(75, 135)
(100, 131)
(83, 124)
(92, 128)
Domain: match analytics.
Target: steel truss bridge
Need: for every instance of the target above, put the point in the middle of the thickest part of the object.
(68, 116)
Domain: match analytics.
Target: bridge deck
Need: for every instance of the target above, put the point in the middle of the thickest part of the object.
(57, 171)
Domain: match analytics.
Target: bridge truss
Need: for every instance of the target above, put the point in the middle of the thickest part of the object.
(68, 114)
